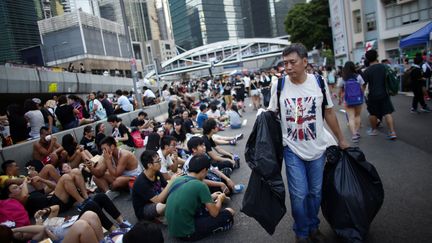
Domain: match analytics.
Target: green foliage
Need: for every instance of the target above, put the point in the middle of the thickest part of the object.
(328, 53)
(308, 23)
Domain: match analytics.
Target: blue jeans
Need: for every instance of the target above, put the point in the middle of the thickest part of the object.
(304, 185)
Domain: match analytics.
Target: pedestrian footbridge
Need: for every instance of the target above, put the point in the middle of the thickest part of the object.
(221, 54)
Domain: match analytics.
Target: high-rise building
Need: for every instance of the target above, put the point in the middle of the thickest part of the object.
(149, 25)
(202, 22)
(18, 28)
(88, 6)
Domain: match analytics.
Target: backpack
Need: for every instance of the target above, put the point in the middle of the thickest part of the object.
(406, 78)
(137, 139)
(353, 92)
(391, 81)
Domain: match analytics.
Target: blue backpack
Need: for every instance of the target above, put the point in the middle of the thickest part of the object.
(353, 92)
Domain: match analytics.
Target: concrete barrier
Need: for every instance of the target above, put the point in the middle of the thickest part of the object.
(22, 153)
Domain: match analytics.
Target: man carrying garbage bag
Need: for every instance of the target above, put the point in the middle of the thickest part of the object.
(302, 100)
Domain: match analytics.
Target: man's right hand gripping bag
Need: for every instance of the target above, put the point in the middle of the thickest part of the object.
(352, 193)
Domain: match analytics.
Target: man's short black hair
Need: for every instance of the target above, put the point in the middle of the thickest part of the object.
(109, 141)
(199, 163)
(142, 113)
(208, 125)
(194, 142)
(193, 113)
(203, 107)
(147, 157)
(298, 48)
(6, 164)
(113, 118)
(371, 55)
(119, 92)
(144, 232)
(169, 121)
(166, 140)
(43, 128)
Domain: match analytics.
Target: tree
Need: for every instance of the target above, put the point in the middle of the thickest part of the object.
(308, 23)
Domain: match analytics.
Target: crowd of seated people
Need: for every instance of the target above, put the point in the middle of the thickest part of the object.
(184, 168)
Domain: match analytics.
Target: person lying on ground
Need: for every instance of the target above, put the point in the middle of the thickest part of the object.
(86, 229)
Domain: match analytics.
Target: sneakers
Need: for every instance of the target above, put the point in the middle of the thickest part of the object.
(355, 138)
(414, 111)
(227, 171)
(112, 194)
(125, 224)
(80, 206)
(239, 136)
(237, 161)
(372, 132)
(425, 110)
(392, 136)
(238, 188)
(233, 142)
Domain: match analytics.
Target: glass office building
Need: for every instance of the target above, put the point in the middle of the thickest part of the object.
(18, 28)
(200, 22)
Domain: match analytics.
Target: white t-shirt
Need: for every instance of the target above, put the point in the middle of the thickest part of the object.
(234, 118)
(301, 117)
(166, 162)
(246, 80)
(124, 103)
(149, 94)
(212, 114)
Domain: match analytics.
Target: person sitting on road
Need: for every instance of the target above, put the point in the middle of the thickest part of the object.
(235, 120)
(65, 192)
(100, 134)
(168, 126)
(192, 212)
(11, 174)
(220, 157)
(142, 123)
(148, 96)
(123, 103)
(150, 189)
(170, 160)
(116, 169)
(120, 132)
(202, 117)
(215, 179)
(189, 121)
(73, 153)
(66, 114)
(88, 140)
(46, 149)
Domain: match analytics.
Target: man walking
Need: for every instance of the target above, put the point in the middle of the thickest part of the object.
(304, 139)
(379, 104)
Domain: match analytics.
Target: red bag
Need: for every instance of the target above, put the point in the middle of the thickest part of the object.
(137, 139)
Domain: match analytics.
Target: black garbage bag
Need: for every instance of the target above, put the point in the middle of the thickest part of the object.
(352, 193)
(264, 198)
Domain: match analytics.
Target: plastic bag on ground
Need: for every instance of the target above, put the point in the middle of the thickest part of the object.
(352, 193)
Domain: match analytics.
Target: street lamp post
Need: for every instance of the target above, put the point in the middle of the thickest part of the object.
(133, 61)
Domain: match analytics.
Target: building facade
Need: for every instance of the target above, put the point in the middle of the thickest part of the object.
(376, 24)
(18, 28)
(149, 25)
(201, 22)
(78, 37)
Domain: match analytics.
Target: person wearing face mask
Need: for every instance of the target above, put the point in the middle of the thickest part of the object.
(47, 150)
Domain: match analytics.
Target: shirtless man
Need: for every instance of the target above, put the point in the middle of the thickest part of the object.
(116, 168)
(47, 149)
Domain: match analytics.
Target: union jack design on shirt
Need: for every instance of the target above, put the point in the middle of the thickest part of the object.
(301, 118)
